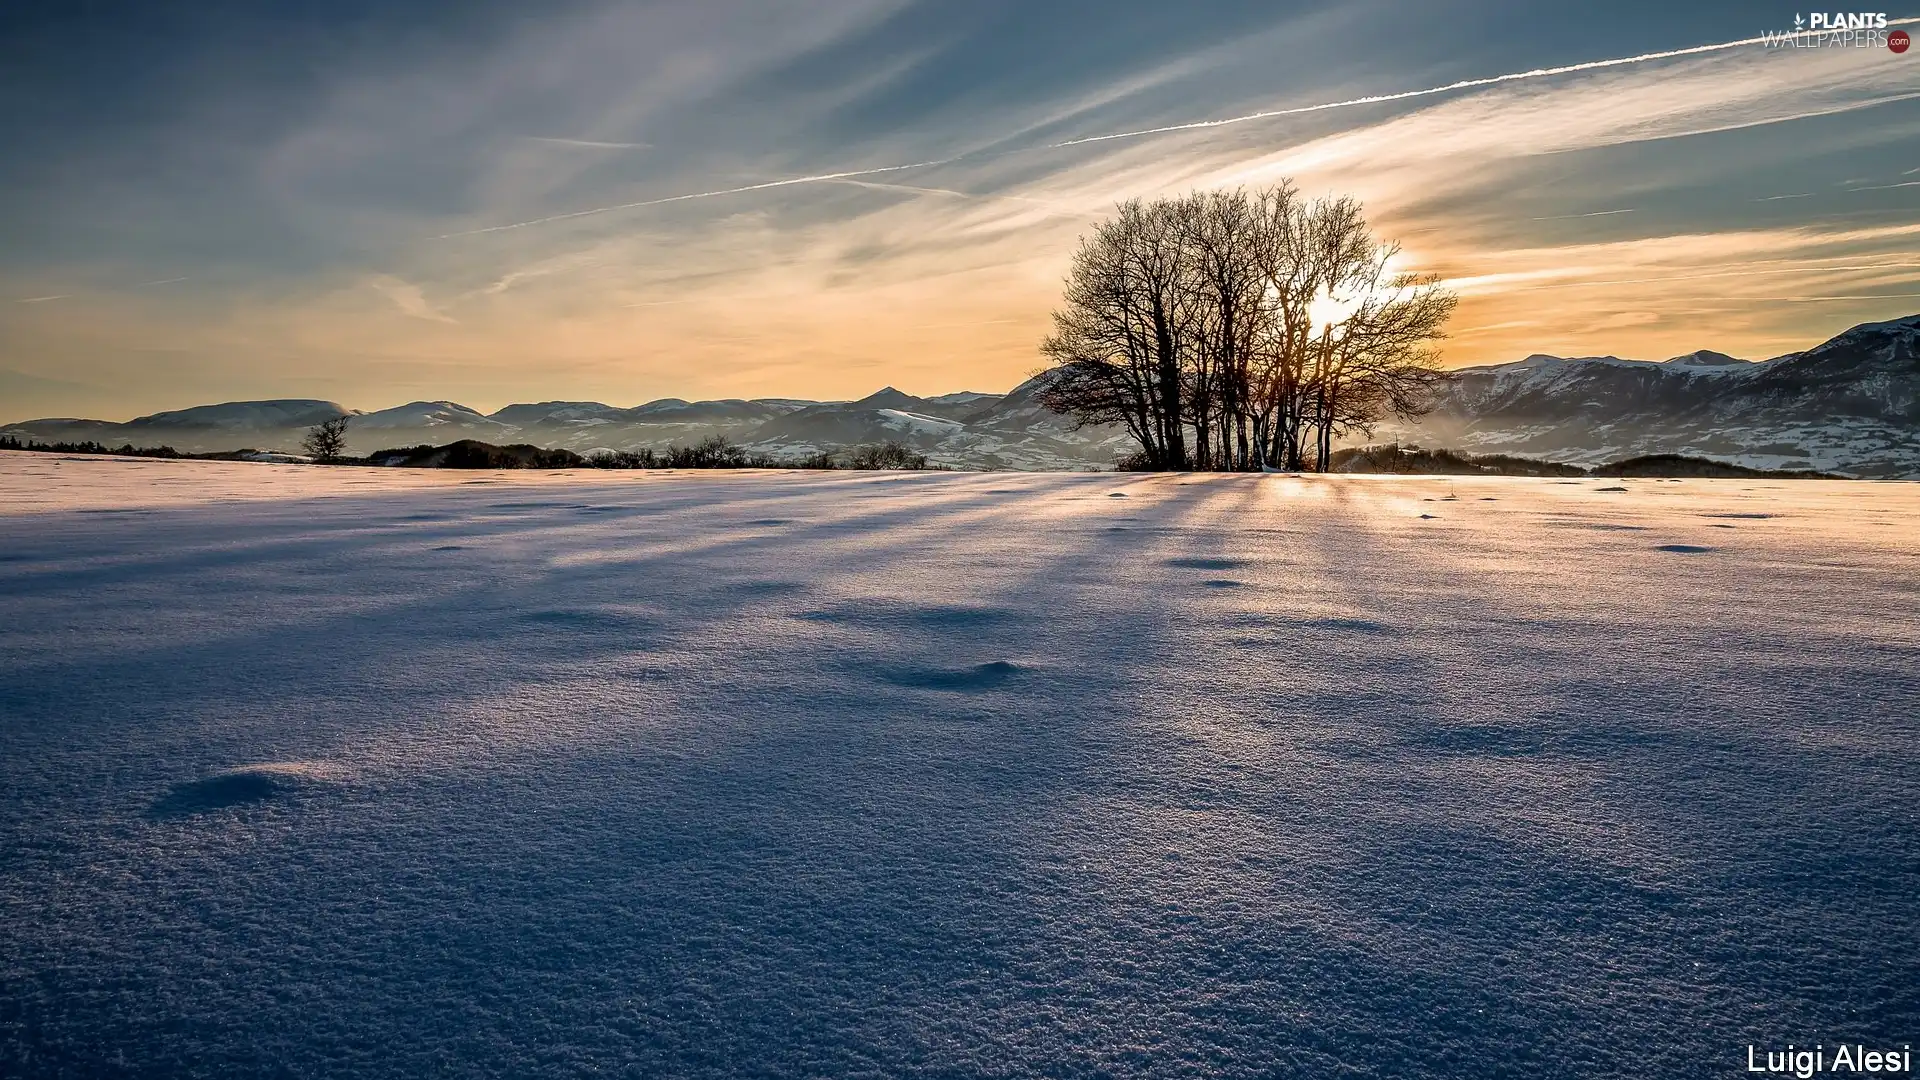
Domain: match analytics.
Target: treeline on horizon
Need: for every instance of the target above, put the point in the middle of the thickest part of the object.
(89, 446)
(714, 452)
(1241, 330)
(717, 453)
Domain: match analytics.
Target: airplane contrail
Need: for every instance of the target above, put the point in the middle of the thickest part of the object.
(1463, 84)
(1197, 125)
(1596, 213)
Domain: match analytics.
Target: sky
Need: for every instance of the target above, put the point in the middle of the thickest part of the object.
(486, 202)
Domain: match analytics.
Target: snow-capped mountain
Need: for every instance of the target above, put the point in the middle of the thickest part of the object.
(231, 425)
(446, 418)
(967, 429)
(244, 415)
(1851, 405)
(586, 426)
(561, 414)
(885, 414)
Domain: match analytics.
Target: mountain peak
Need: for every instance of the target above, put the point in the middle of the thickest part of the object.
(887, 398)
(1704, 358)
(425, 414)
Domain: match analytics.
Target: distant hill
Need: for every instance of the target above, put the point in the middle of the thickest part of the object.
(1849, 405)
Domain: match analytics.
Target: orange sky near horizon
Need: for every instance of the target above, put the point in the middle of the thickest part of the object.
(1642, 211)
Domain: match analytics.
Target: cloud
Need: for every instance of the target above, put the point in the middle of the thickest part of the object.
(408, 297)
(606, 74)
(1204, 125)
(1622, 319)
(1448, 88)
(1569, 217)
(588, 144)
(670, 199)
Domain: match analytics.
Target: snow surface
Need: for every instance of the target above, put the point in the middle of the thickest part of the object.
(247, 415)
(918, 423)
(425, 414)
(353, 772)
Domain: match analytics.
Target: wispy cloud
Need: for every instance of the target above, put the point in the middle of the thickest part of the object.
(1165, 129)
(670, 199)
(1569, 217)
(1452, 87)
(913, 189)
(587, 144)
(409, 298)
(44, 299)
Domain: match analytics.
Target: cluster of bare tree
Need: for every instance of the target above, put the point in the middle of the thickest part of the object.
(1242, 330)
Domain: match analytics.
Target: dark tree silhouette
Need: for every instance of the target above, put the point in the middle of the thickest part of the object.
(327, 441)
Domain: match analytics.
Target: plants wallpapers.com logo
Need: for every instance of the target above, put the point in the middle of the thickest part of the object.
(1838, 30)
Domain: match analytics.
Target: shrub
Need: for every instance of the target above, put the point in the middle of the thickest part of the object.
(820, 459)
(887, 455)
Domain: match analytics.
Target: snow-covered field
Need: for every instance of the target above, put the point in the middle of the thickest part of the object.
(352, 772)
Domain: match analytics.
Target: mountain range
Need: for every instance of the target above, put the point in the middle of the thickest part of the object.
(967, 429)
(1849, 405)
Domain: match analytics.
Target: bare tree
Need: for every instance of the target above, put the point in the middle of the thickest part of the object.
(1105, 341)
(327, 441)
(1223, 233)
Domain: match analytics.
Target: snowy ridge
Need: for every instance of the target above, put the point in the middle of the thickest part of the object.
(245, 415)
(429, 414)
